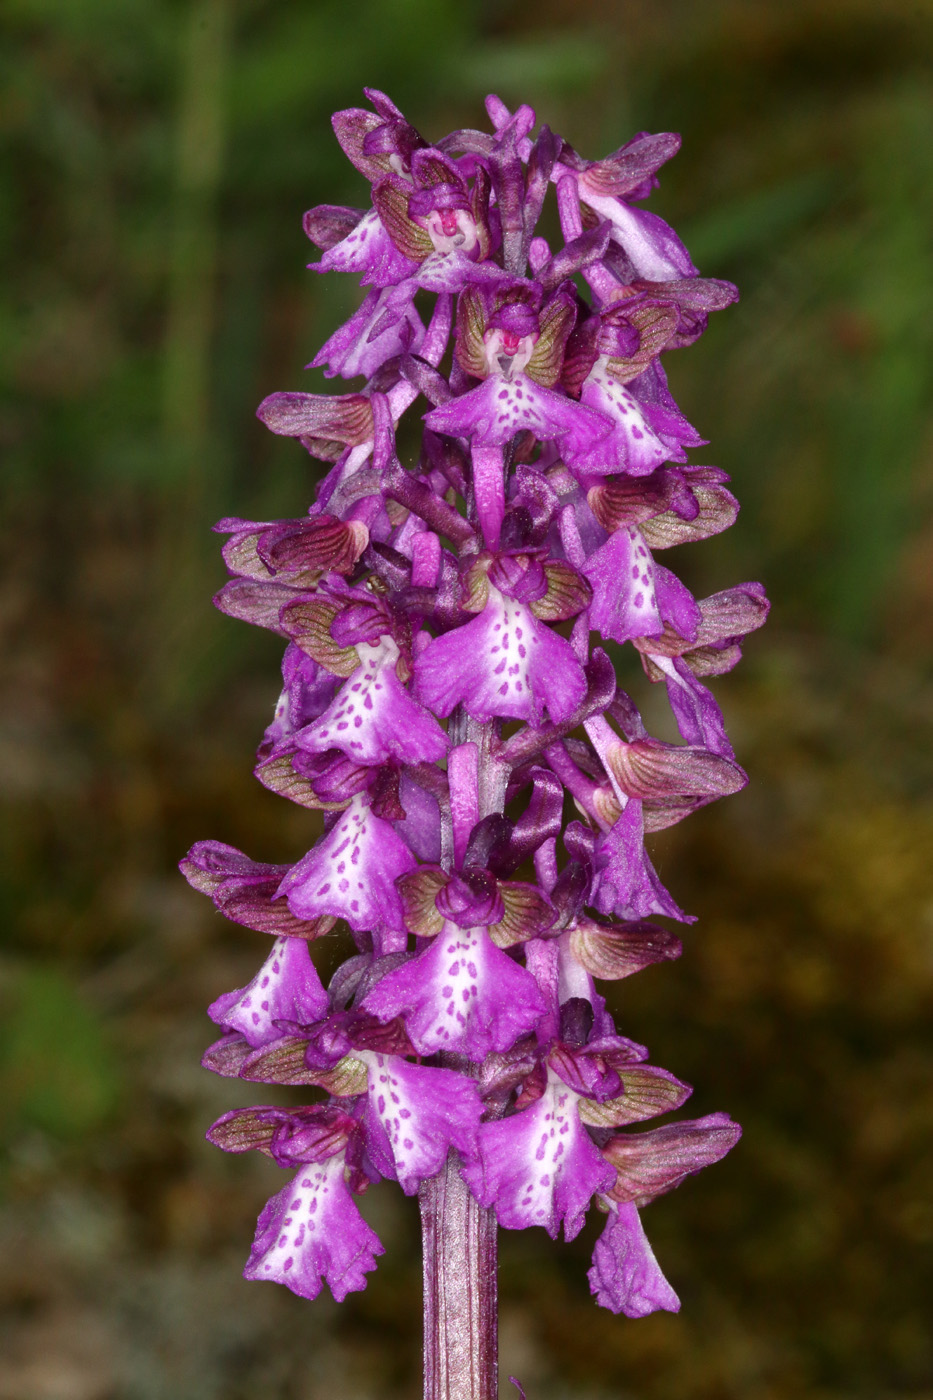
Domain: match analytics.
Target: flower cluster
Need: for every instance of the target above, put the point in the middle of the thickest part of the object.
(443, 693)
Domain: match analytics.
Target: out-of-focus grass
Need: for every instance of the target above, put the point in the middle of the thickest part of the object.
(156, 159)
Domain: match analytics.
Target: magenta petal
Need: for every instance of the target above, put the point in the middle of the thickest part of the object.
(540, 1166)
(286, 988)
(370, 250)
(311, 1233)
(676, 603)
(622, 575)
(450, 272)
(308, 689)
(414, 1115)
(632, 446)
(698, 716)
(351, 872)
(373, 718)
(651, 245)
(461, 994)
(626, 883)
(625, 1276)
(386, 324)
(504, 663)
(499, 408)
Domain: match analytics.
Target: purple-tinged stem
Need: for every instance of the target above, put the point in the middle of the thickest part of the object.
(461, 1317)
(460, 1295)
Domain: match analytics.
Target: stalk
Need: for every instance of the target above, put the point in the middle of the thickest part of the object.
(460, 1294)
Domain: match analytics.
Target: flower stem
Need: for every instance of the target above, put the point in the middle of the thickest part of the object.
(460, 1299)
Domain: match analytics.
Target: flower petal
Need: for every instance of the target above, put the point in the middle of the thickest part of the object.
(386, 324)
(351, 873)
(499, 408)
(626, 883)
(622, 575)
(651, 245)
(374, 719)
(311, 1233)
(369, 250)
(625, 1276)
(540, 1166)
(461, 994)
(632, 446)
(414, 1115)
(503, 663)
(286, 988)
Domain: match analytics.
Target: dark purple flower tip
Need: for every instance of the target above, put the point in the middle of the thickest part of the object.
(364, 621)
(471, 900)
(311, 1135)
(519, 576)
(589, 1074)
(438, 199)
(576, 1022)
(489, 845)
(515, 319)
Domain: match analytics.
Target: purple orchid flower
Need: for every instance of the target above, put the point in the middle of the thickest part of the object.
(442, 692)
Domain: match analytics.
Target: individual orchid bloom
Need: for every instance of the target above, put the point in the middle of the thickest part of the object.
(311, 1232)
(414, 1115)
(540, 1166)
(377, 143)
(607, 187)
(286, 988)
(351, 874)
(373, 719)
(434, 211)
(626, 883)
(443, 612)
(626, 1277)
(351, 428)
(462, 994)
(517, 352)
(605, 354)
(632, 595)
(504, 663)
(386, 325)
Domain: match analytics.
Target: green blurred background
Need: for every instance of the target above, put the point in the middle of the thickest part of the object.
(157, 157)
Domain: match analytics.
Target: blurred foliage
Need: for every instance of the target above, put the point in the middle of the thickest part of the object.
(156, 158)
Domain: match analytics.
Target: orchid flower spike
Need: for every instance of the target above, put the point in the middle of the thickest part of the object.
(444, 689)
